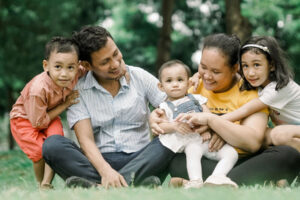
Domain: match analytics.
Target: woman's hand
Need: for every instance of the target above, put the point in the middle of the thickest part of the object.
(194, 119)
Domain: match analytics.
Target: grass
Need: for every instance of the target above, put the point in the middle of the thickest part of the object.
(17, 182)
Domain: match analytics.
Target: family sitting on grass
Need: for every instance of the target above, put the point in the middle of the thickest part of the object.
(222, 117)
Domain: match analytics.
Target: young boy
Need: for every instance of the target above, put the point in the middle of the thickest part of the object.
(35, 115)
(174, 81)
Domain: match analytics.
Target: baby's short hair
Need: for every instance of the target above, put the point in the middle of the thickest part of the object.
(60, 45)
(173, 63)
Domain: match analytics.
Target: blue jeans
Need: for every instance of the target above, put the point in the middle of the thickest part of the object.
(67, 159)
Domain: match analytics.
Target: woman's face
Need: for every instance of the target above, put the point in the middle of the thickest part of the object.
(216, 74)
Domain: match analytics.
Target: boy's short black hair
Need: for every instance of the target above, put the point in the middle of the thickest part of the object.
(172, 63)
(60, 45)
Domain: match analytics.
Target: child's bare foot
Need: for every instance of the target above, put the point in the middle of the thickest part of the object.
(46, 186)
(282, 183)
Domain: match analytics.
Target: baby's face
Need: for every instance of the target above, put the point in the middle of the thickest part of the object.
(62, 67)
(174, 82)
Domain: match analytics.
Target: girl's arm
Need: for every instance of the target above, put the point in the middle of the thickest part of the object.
(247, 109)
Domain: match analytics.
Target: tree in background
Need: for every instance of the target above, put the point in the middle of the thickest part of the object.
(164, 41)
(236, 23)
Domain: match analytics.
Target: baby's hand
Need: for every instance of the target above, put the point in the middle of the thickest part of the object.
(72, 98)
(182, 128)
(206, 136)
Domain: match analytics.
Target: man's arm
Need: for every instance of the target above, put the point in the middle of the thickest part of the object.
(85, 136)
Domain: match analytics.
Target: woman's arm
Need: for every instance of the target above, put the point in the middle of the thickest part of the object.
(247, 109)
(247, 136)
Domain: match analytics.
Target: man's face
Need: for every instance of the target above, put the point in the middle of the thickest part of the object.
(106, 62)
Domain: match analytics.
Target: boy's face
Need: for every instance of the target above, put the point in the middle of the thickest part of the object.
(62, 67)
(174, 82)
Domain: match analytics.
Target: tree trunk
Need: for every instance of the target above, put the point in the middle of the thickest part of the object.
(164, 41)
(235, 22)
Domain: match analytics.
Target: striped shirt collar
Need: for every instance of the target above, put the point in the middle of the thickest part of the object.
(90, 82)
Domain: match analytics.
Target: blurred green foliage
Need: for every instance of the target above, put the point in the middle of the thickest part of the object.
(26, 26)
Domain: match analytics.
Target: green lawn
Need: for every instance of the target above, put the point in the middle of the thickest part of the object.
(17, 182)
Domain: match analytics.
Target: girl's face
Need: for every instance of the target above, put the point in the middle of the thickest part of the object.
(256, 68)
(174, 82)
(216, 74)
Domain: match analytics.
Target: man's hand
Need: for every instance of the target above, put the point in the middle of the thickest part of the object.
(72, 98)
(157, 116)
(111, 178)
(216, 143)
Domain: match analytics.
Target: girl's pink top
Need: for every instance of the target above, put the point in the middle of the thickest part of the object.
(39, 96)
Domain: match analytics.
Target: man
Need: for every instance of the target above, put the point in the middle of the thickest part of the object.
(110, 121)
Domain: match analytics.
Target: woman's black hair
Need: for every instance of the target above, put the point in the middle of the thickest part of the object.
(229, 45)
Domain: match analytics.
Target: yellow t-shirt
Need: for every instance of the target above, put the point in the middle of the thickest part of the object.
(222, 103)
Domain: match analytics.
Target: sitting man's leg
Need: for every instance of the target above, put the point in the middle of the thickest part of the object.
(66, 159)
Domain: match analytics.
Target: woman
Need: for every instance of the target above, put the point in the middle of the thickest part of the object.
(220, 83)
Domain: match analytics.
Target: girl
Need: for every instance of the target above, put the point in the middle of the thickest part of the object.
(179, 137)
(263, 66)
